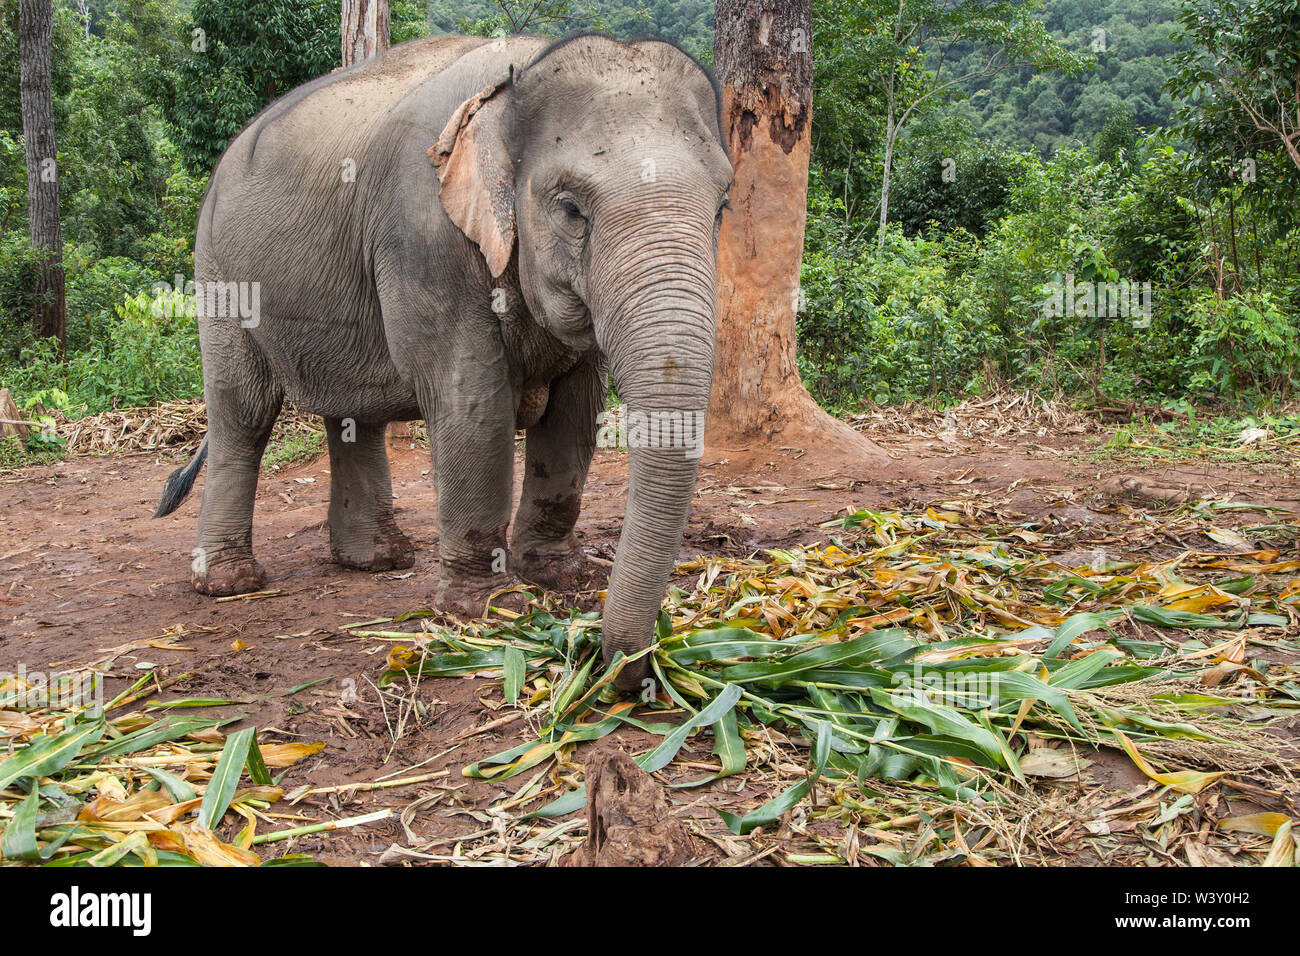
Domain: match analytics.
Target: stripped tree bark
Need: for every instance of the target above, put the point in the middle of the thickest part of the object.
(762, 51)
(35, 55)
(365, 30)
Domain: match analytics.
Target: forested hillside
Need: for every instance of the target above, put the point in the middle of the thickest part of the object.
(688, 23)
(1130, 39)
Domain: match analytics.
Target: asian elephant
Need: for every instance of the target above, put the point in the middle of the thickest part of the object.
(475, 232)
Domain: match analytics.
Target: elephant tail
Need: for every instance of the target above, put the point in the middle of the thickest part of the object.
(180, 481)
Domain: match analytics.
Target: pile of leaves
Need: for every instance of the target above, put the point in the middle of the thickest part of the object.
(176, 426)
(1003, 419)
(942, 672)
(81, 786)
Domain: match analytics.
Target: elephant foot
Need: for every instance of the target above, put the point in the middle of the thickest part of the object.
(222, 578)
(467, 598)
(387, 552)
(568, 571)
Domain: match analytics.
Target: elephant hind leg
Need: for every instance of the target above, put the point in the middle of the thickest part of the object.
(239, 425)
(363, 533)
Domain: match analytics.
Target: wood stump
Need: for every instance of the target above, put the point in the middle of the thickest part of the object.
(629, 822)
(11, 418)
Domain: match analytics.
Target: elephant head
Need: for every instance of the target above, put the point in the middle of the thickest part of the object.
(601, 166)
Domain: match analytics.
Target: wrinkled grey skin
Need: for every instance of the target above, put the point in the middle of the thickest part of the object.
(375, 305)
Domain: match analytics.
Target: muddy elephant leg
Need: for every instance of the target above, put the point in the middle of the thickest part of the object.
(363, 533)
(239, 423)
(558, 453)
(471, 433)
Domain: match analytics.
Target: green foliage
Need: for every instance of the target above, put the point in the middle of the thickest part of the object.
(932, 317)
(285, 450)
(15, 453)
(965, 186)
(148, 352)
(1131, 45)
(1056, 172)
(894, 55)
(1244, 343)
(886, 324)
(1237, 74)
(688, 23)
(244, 54)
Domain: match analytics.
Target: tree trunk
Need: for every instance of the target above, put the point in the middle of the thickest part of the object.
(35, 46)
(891, 134)
(365, 29)
(762, 54)
(365, 32)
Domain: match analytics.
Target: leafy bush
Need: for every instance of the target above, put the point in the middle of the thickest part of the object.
(1244, 344)
(971, 197)
(149, 353)
(890, 323)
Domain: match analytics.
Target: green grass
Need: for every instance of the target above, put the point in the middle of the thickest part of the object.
(290, 450)
(14, 453)
(1217, 439)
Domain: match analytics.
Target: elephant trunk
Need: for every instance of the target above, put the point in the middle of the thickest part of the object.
(657, 329)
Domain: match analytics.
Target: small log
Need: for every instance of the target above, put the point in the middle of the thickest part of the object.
(629, 822)
(11, 419)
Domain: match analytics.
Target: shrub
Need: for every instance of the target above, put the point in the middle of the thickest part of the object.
(148, 353)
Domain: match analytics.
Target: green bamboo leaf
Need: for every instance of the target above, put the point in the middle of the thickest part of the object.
(937, 746)
(778, 806)
(768, 813)
(257, 770)
(1077, 673)
(573, 688)
(177, 789)
(1017, 685)
(225, 778)
(662, 755)
(520, 758)
(720, 708)
(451, 664)
(1075, 626)
(728, 745)
(162, 732)
(194, 702)
(878, 645)
(18, 840)
(1164, 617)
(723, 643)
(515, 669)
(47, 755)
(942, 720)
(572, 801)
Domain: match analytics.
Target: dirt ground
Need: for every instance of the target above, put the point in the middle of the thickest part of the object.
(86, 576)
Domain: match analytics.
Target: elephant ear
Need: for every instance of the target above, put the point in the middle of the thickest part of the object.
(476, 176)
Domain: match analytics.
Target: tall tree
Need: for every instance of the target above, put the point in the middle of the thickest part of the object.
(35, 46)
(1240, 74)
(905, 54)
(762, 54)
(365, 30)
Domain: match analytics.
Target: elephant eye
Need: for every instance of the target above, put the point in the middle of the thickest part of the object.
(570, 208)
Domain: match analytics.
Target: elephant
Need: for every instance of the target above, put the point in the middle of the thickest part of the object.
(476, 232)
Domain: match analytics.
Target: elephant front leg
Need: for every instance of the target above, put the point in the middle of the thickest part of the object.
(558, 454)
(472, 436)
(363, 534)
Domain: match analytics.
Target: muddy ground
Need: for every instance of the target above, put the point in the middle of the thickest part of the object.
(86, 576)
